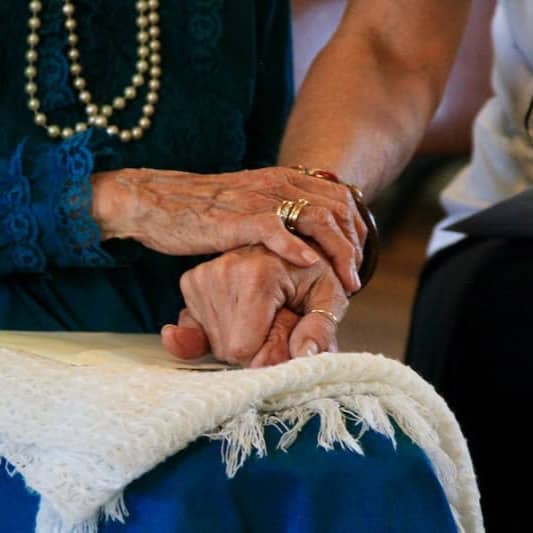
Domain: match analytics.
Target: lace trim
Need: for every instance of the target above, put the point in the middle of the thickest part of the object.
(79, 233)
(19, 224)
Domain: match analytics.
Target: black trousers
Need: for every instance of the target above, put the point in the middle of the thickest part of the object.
(472, 337)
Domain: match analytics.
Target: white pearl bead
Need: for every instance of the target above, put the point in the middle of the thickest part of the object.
(34, 104)
(32, 56)
(137, 80)
(142, 21)
(142, 66)
(68, 9)
(143, 37)
(100, 122)
(155, 72)
(125, 136)
(130, 92)
(152, 97)
(35, 6)
(70, 24)
(112, 130)
(31, 88)
(74, 54)
(72, 39)
(153, 4)
(54, 131)
(154, 31)
(85, 97)
(67, 132)
(119, 103)
(33, 39)
(34, 23)
(81, 126)
(155, 59)
(154, 85)
(145, 123)
(155, 45)
(142, 5)
(40, 119)
(30, 72)
(148, 110)
(107, 110)
(137, 133)
(153, 17)
(80, 83)
(76, 69)
(91, 110)
(143, 51)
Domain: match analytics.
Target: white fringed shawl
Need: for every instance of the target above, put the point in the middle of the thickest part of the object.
(80, 434)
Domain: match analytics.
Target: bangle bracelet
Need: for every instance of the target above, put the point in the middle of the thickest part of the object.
(371, 249)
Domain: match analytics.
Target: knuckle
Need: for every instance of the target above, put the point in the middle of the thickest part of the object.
(324, 217)
(344, 212)
(348, 198)
(236, 351)
(186, 281)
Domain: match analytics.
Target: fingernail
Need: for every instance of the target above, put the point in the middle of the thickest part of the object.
(310, 348)
(355, 279)
(310, 256)
(166, 327)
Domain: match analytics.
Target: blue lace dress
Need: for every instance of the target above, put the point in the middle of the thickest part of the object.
(226, 91)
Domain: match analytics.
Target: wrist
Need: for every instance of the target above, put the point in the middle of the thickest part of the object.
(111, 205)
(371, 248)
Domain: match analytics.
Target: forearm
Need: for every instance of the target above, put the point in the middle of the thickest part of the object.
(369, 96)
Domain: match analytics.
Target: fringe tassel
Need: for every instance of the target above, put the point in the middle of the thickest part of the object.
(240, 436)
(244, 434)
(49, 521)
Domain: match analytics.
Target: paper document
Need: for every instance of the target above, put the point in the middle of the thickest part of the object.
(92, 349)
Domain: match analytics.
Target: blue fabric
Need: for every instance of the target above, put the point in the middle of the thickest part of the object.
(46, 216)
(306, 490)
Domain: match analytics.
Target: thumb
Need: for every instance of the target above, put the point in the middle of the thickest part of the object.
(187, 340)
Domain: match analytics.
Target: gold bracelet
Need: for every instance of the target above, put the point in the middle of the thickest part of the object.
(371, 249)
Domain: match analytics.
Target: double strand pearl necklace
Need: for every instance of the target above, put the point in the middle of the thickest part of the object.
(148, 66)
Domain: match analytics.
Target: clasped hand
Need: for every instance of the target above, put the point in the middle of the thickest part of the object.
(246, 306)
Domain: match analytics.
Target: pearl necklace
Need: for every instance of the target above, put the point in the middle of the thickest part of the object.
(148, 65)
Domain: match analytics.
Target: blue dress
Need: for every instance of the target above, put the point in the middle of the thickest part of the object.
(225, 95)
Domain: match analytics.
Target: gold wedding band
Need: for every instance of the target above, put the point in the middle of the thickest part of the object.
(328, 314)
(295, 213)
(289, 211)
(284, 210)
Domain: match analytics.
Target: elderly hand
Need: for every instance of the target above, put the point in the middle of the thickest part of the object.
(252, 308)
(187, 214)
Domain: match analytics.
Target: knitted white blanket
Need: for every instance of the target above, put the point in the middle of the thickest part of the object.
(80, 434)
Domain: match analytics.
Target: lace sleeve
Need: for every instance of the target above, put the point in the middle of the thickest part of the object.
(45, 200)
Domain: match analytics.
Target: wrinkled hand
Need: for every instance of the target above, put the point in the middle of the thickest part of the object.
(250, 307)
(188, 214)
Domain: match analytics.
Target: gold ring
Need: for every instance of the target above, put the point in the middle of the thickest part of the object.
(328, 314)
(295, 213)
(284, 210)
